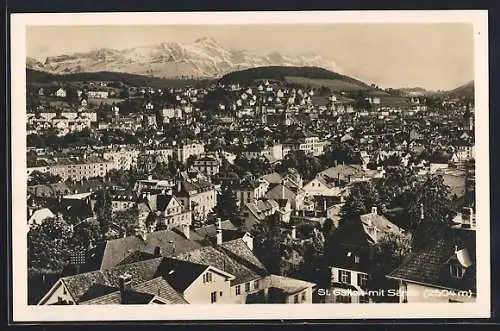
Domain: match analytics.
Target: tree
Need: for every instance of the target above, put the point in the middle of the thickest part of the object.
(396, 186)
(103, 211)
(363, 196)
(267, 243)
(388, 253)
(85, 233)
(43, 178)
(227, 207)
(430, 210)
(48, 245)
(328, 227)
(127, 220)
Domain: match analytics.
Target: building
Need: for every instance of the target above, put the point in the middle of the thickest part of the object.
(77, 169)
(185, 150)
(228, 273)
(97, 94)
(250, 190)
(351, 257)
(207, 165)
(121, 158)
(199, 196)
(60, 93)
(444, 271)
(168, 210)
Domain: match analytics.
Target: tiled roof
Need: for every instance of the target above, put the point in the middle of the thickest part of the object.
(211, 229)
(79, 284)
(181, 273)
(274, 178)
(233, 257)
(116, 250)
(160, 287)
(429, 266)
(289, 285)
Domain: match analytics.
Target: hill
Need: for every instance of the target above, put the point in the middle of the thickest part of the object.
(466, 90)
(305, 76)
(40, 77)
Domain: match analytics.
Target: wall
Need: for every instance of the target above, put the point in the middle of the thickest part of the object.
(199, 292)
(59, 291)
(421, 293)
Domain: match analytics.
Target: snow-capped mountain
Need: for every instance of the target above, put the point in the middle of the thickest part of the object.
(202, 58)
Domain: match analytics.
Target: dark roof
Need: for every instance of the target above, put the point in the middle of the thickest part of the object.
(430, 266)
(233, 257)
(211, 229)
(159, 286)
(78, 285)
(136, 256)
(117, 250)
(180, 274)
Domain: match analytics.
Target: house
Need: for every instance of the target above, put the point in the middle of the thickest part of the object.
(226, 273)
(443, 271)
(256, 211)
(250, 190)
(199, 196)
(296, 195)
(166, 243)
(185, 150)
(351, 256)
(167, 210)
(343, 172)
(208, 165)
(37, 217)
(322, 185)
(60, 93)
(98, 94)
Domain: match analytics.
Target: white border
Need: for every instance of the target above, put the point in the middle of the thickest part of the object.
(24, 313)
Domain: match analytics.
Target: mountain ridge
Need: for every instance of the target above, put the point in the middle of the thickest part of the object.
(203, 58)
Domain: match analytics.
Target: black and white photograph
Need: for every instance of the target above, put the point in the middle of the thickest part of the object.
(335, 163)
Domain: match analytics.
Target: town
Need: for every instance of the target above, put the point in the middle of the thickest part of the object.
(260, 190)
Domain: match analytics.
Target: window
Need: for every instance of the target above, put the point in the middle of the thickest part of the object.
(207, 277)
(255, 284)
(456, 271)
(303, 296)
(296, 298)
(238, 289)
(362, 280)
(345, 276)
(364, 299)
(220, 293)
(213, 297)
(344, 299)
(247, 287)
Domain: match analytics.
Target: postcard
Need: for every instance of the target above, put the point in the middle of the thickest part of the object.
(256, 165)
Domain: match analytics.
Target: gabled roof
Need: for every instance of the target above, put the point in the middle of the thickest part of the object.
(430, 265)
(272, 178)
(233, 257)
(117, 250)
(181, 274)
(288, 285)
(211, 229)
(160, 287)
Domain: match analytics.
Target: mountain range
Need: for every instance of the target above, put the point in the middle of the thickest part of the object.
(204, 58)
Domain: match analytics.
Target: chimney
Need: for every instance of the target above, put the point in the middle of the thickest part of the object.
(219, 223)
(157, 251)
(125, 285)
(325, 208)
(185, 230)
(374, 210)
(219, 236)
(294, 232)
(150, 177)
(179, 185)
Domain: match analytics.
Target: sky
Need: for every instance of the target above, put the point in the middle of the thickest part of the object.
(432, 56)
